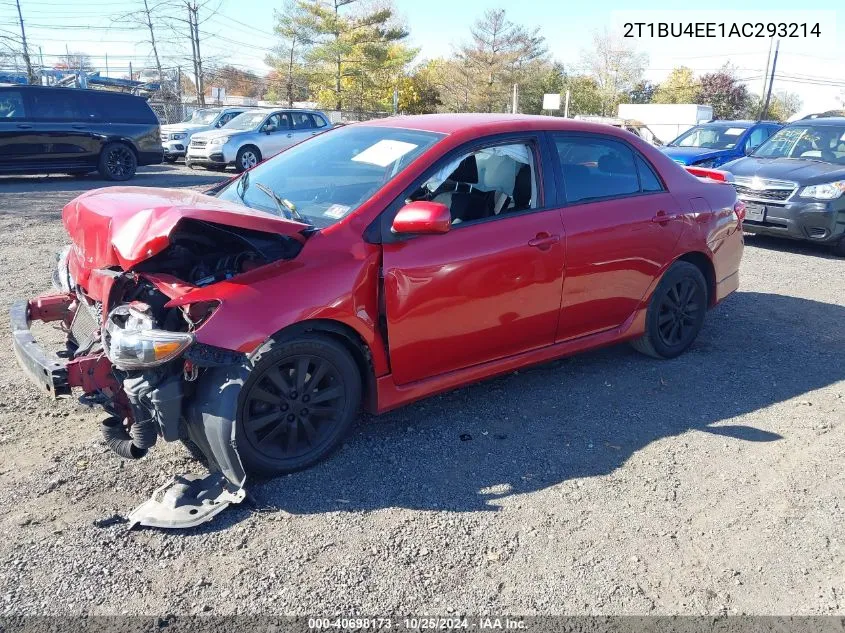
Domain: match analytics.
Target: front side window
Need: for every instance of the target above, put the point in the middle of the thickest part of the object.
(276, 123)
(327, 177)
(814, 142)
(710, 137)
(485, 183)
(11, 105)
(595, 168)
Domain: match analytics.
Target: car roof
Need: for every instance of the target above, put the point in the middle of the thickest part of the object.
(828, 120)
(488, 123)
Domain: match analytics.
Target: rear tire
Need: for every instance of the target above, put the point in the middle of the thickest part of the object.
(675, 312)
(248, 156)
(117, 162)
(169, 159)
(297, 404)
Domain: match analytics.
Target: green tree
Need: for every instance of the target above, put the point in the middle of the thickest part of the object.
(585, 96)
(541, 79)
(419, 92)
(499, 55)
(295, 29)
(680, 86)
(615, 66)
(346, 45)
(643, 92)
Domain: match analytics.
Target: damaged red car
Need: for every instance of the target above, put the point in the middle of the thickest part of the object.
(368, 267)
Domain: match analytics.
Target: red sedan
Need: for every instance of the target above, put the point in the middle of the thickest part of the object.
(371, 266)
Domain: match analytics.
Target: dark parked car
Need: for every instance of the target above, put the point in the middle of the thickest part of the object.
(793, 184)
(73, 131)
(717, 142)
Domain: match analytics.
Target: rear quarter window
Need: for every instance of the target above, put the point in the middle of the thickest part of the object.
(117, 108)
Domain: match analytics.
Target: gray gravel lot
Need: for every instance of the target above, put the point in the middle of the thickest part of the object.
(607, 483)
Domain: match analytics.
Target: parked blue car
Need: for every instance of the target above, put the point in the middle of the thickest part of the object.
(717, 142)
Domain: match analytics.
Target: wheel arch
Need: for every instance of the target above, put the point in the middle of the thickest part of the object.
(351, 340)
(123, 140)
(705, 265)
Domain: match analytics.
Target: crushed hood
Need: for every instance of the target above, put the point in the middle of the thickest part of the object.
(123, 226)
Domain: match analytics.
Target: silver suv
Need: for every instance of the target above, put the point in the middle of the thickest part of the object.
(253, 136)
(176, 136)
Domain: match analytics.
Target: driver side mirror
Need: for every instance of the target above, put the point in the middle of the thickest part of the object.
(422, 217)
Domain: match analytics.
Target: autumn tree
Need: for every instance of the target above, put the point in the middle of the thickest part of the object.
(499, 55)
(235, 81)
(782, 105)
(680, 86)
(615, 66)
(727, 95)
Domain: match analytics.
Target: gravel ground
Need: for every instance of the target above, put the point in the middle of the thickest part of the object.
(607, 483)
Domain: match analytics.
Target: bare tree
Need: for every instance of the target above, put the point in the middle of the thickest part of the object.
(615, 66)
(30, 73)
(147, 16)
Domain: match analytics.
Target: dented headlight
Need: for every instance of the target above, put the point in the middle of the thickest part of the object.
(131, 341)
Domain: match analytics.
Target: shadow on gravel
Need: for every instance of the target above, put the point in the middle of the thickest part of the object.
(578, 417)
(151, 176)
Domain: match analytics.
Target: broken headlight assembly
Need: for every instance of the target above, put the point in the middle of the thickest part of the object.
(131, 340)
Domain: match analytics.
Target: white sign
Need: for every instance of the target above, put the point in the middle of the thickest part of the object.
(551, 101)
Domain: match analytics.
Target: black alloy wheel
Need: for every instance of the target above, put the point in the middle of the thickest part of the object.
(675, 312)
(678, 313)
(117, 162)
(297, 405)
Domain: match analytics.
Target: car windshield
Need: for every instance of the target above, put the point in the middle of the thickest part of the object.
(330, 175)
(815, 142)
(246, 121)
(203, 117)
(710, 137)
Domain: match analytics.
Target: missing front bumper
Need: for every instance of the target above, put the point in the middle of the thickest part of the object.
(44, 368)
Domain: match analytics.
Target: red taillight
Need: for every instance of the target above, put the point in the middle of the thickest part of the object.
(739, 210)
(710, 174)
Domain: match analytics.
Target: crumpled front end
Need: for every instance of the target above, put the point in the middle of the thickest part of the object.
(131, 343)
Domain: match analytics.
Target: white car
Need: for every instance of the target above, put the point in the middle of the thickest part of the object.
(253, 136)
(176, 136)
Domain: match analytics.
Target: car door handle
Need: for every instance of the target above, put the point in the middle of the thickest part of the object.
(78, 126)
(544, 241)
(290, 135)
(662, 217)
(24, 126)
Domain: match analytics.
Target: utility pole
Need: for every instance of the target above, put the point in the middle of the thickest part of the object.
(29, 72)
(107, 64)
(515, 104)
(149, 21)
(566, 105)
(193, 25)
(771, 82)
(768, 62)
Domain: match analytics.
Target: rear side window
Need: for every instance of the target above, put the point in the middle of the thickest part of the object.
(60, 104)
(117, 108)
(596, 168)
(757, 136)
(649, 182)
(318, 120)
(11, 105)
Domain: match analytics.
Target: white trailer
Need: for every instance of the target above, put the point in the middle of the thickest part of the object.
(667, 120)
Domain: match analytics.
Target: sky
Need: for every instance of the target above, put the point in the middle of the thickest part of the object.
(241, 34)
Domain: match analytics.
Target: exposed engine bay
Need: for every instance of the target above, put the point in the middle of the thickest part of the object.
(136, 356)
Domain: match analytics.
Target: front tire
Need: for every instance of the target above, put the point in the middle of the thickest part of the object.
(296, 406)
(675, 313)
(117, 162)
(248, 156)
(839, 248)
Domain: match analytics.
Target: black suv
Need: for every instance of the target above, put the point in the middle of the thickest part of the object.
(793, 185)
(74, 131)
